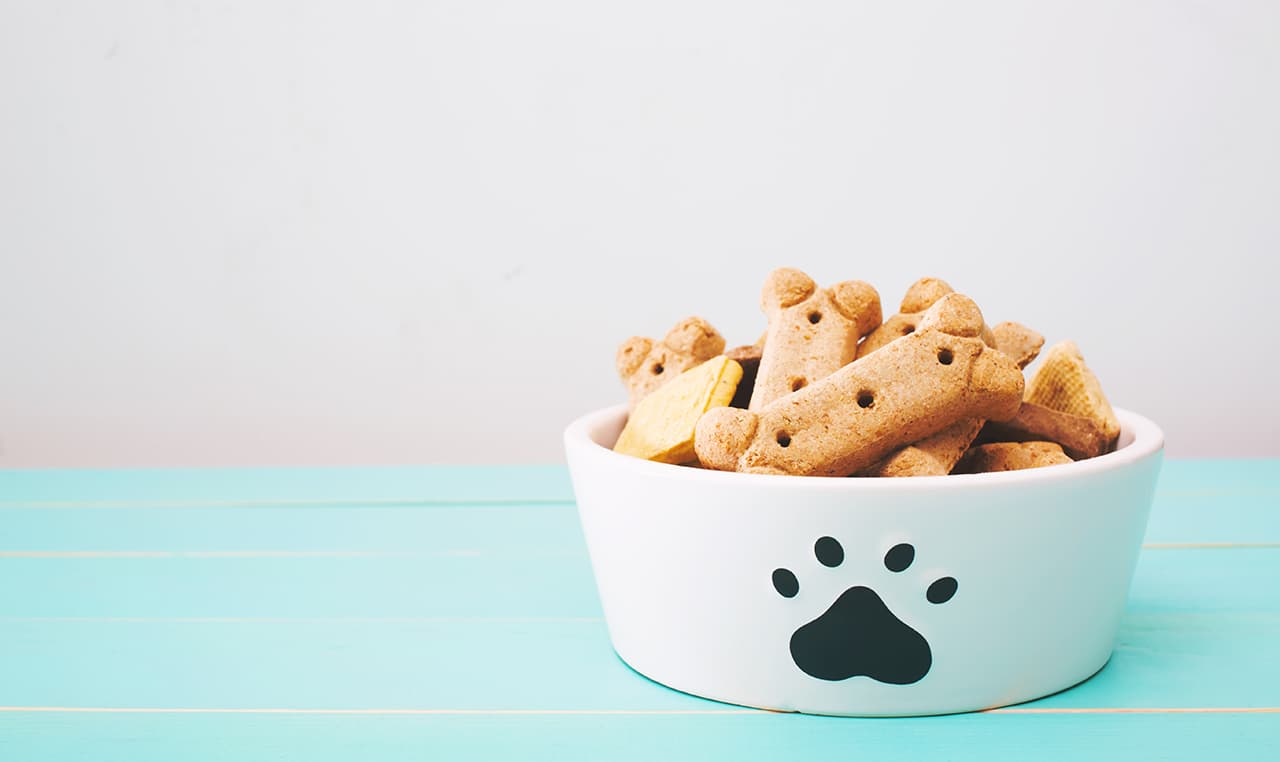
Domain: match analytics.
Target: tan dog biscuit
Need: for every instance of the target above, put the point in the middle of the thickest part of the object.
(938, 454)
(920, 296)
(1080, 437)
(747, 352)
(942, 373)
(1010, 456)
(748, 356)
(1066, 384)
(644, 365)
(932, 456)
(662, 424)
(813, 332)
(1018, 341)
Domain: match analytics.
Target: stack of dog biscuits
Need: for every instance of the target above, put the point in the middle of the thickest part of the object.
(645, 365)
(834, 389)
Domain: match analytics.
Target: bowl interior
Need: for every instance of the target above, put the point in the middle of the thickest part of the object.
(1139, 436)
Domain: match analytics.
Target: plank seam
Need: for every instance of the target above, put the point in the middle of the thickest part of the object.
(172, 504)
(645, 712)
(459, 552)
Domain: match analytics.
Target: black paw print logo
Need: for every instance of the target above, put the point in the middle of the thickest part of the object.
(858, 634)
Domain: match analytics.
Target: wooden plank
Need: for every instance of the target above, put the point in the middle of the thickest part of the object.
(743, 737)
(502, 579)
(368, 589)
(546, 664)
(481, 585)
(1196, 501)
(1221, 475)
(470, 529)
(1217, 502)
(1199, 632)
(364, 485)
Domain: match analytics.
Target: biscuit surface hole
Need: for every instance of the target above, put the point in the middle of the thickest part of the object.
(945, 357)
(814, 317)
(784, 439)
(906, 329)
(866, 399)
(797, 384)
(657, 369)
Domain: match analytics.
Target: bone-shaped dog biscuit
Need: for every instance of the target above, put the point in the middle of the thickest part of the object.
(813, 332)
(644, 364)
(940, 374)
(934, 455)
(1080, 437)
(1010, 456)
(1018, 341)
(920, 296)
(937, 455)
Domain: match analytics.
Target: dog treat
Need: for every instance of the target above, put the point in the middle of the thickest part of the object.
(1064, 383)
(813, 332)
(932, 456)
(937, 455)
(645, 365)
(748, 356)
(920, 296)
(661, 425)
(940, 374)
(1010, 456)
(1018, 341)
(1080, 437)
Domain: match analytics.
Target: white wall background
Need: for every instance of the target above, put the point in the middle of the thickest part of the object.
(363, 232)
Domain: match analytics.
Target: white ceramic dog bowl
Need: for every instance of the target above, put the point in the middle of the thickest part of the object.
(863, 596)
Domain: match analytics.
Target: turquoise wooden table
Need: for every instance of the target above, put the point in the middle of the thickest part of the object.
(411, 613)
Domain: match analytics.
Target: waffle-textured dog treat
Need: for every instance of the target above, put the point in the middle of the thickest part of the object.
(662, 424)
(748, 356)
(813, 332)
(1080, 437)
(645, 364)
(1010, 456)
(1064, 383)
(939, 375)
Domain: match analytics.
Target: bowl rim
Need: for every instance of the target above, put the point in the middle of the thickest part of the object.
(1148, 440)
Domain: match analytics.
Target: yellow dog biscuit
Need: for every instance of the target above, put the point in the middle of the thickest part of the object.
(940, 374)
(1064, 383)
(662, 424)
(645, 364)
(1010, 456)
(813, 332)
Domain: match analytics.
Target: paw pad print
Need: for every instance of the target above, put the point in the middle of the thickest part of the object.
(858, 635)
